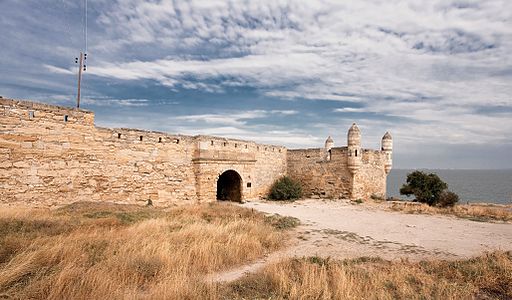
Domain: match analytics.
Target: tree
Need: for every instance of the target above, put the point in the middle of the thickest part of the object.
(427, 188)
(447, 199)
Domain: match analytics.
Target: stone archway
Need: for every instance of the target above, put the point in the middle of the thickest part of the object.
(229, 186)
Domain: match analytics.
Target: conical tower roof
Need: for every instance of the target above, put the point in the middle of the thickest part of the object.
(354, 128)
(387, 136)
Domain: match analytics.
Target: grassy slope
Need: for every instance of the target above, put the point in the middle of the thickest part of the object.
(107, 251)
(485, 277)
(482, 213)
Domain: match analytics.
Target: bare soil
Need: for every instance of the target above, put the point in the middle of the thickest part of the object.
(340, 229)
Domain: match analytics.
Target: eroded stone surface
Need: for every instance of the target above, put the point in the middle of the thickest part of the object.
(51, 155)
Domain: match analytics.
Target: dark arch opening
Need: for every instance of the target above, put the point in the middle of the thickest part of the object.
(229, 186)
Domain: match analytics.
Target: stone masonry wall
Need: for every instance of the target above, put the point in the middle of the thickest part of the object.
(258, 165)
(319, 177)
(53, 155)
(332, 179)
(370, 179)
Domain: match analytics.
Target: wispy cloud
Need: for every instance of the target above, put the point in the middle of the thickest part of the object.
(58, 70)
(234, 118)
(433, 72)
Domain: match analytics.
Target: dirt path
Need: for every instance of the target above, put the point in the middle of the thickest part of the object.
(343, 230)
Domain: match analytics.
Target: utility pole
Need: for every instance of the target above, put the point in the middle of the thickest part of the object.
(81, 67)
(81, 61)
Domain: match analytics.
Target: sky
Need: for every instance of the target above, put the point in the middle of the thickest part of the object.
(436, 74)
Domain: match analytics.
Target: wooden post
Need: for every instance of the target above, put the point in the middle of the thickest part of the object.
(81, 64)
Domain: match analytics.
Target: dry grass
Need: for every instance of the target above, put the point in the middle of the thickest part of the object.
(485, 277)
(483, 213)
(108, 251)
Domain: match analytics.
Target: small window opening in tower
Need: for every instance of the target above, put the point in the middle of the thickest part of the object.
(356, 153)
(236, 145)
(245, 146)
(224, 144)
(65, 118)
(177, 141)
(159, 139)
(140, 138)
(118, 135)
(30, 114)
(212, 143)
(329, 155)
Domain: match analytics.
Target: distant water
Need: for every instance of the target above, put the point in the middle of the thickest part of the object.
(491, 186)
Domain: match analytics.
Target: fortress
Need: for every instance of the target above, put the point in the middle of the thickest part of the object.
(52, 155)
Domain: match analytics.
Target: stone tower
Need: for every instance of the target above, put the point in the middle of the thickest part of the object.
(387, 148)
(329, 143)
(354, 149)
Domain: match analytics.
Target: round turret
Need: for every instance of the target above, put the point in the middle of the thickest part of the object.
(329, 143)
(387, 142)
(354, 148)
(354, 136)
(387, 148)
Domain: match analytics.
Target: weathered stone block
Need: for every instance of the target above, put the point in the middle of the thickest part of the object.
(74, 161)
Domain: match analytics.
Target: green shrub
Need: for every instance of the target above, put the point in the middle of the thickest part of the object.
(427, 188)
(447, 199)
(285, 188)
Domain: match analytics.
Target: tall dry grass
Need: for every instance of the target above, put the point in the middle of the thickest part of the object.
(485, 277)
(484, 213)
(106, 251)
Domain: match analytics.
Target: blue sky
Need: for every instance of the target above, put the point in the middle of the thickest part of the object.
(436, 74)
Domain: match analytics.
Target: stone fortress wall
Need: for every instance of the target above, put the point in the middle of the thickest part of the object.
(51, 155)
(342, 172)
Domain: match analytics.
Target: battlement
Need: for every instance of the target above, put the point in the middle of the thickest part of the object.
(39, 112)
(52, 155)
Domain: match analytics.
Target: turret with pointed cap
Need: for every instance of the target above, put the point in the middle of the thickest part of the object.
(354, 148)
(329, 143)
(387, 148)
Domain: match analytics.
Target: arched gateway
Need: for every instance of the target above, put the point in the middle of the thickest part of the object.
(229, 186)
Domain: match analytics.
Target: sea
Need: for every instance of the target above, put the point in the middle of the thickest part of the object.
(472, 186)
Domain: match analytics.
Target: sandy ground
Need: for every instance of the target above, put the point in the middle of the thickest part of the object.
(344, 230)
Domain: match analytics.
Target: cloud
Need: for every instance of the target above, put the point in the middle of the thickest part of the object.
(234, 118)
(284, 112)
(117, 102)
(429, 71)
(238, 118)
(58, 70)
(349, 110)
